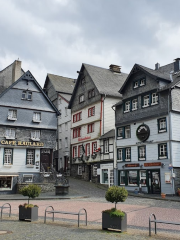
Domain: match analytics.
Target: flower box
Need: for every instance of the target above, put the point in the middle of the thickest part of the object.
(29, 213)
(116, 223)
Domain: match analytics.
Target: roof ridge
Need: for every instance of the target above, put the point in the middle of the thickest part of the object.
(60, 76)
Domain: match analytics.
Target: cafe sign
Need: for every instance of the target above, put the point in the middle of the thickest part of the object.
(143, 132)
(22, 143)
(132, 165)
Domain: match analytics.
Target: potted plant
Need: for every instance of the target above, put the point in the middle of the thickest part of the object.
(114, 218)
(163, 195)
(29, 211)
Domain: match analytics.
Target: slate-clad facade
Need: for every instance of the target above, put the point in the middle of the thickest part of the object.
(28, 125)
(91, 104)
(147, 130)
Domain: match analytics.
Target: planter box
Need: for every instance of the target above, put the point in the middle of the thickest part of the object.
(28, 213)
(114, 222)
(60, 190)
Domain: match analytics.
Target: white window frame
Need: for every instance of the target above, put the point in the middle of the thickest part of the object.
(128, 154)
(10, 133)
(29, 95)
(94, 147)
(127, 132)
(87, 149)
(127, 106)
(163, 151)
(134, 104)
(162, 125)
(30, 157)
(120, 154)
(106, 146)
(155, 98)
(35, 135)
(120, 133)
(12, 114)
(8, 156)
(142, 153)
(75, 152)
(81, 98)
(142, 82)
(136, 84)
(146, 101)
(36, 117)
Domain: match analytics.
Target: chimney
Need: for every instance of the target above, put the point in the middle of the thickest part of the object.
(115, 68)
(16, 71)
(157, 66)
(177, 65)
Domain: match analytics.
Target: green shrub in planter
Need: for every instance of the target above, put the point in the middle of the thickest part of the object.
(116, 194)
(31, 191)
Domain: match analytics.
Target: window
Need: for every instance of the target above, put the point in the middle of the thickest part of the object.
(91, 93)
(146, 101)
(66, 142)
(81, 98)
(30, 156)
(142, 175)
(94, 147)
(90, 128)
(142, 153)
(36, 117)
(77, 117)
(26, 95)
(124, 154)
(77, 132)
(79, 170)
(132, 178)
(91, 112)
(134, 104)
(87, 149)
(124, 132)
(142, 82)
(80, 151)
(66, 126)
(122, 177)
(105, 178)
(95, 170)
(5, 183)
(60, 143)
(8, 156)
(60, 128)
(35, 135)
(12, 114)
(162, 148)
(154, 99)
(139, 83)
(75, 152)
(106, 146)
(162, 126)
(127, 106)
(27, 177)
(136, 84)
(10, 133)
(66, 111)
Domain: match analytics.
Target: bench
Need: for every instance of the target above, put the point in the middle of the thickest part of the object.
(50, 210)
(6, 205)
(159, 221)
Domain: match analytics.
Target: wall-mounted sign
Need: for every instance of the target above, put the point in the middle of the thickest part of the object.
(22, 143)
(153, 164)
(85, 138)
(143, 132)
(132, 165)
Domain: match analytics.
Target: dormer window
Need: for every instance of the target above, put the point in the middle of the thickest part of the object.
(12, 114)
(27, 95)
(142, 82)
(139, 83)
(136, 84)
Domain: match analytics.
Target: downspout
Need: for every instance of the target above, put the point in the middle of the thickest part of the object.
(115, 155)
(101, 115)
(103, 112)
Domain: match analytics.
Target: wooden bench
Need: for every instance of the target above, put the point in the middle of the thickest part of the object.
(64, 212)
(159, 221)
(6, 205)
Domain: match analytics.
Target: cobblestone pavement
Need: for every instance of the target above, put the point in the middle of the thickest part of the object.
(91, 197)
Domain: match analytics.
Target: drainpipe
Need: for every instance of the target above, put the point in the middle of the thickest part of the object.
(115, 155)
(103, 111)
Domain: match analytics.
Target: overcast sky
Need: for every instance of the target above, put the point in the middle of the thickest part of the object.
(57, 36)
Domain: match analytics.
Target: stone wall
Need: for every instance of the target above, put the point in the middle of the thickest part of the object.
(45, 187)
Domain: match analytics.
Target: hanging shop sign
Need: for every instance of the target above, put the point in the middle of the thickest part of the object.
(132, 165)
(22, 143)
(153, 164)
(143, 132)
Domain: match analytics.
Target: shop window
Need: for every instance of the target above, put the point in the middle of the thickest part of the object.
(81, 98)
(8, 156)
(5, 183)
(132, 178)
(142, 176)
(142, 153)
(95, 170)
(124, 132)
(35, 135)
(36, 117)
(10, 133)
(30, 156)
(162, 125)
(87, 149)
(106, 146)
(28, 178)
(122, 177)
(79, 170)
(162, 150)
(91, 93)
(105, 176)
(12, 114)
(124, 154)
(91, 111)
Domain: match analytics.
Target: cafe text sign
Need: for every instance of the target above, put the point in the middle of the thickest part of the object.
(22, 143)
(153, 164)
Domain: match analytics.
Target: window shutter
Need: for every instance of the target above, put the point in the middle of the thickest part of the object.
(124, 154)
(33, 157)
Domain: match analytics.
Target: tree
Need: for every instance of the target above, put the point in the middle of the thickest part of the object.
(116, 194)
(32, 191)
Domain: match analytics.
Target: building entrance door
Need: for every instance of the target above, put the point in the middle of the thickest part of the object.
(154, 181)
(45, 159)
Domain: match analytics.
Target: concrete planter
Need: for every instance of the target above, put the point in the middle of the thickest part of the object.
(114, 222)
(30, 214)
(61, 190)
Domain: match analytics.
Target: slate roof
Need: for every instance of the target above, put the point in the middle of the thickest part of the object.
(106, 81)
(109, 134)
(61, 84)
